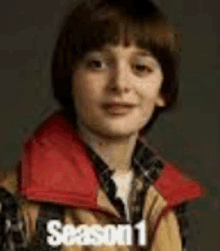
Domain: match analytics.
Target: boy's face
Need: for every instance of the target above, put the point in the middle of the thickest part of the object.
(116, 89)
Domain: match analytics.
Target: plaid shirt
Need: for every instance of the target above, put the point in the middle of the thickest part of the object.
(147, 167)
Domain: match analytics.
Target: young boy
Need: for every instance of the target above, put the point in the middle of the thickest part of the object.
(114, 70)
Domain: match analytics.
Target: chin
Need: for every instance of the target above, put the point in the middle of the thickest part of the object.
(115, 129)
(117, 132)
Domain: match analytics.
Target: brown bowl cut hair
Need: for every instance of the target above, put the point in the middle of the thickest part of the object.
(93, 24)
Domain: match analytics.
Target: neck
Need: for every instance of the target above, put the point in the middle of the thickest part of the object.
(117, 154)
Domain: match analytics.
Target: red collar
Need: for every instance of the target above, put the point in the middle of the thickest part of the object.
(177, 188)
(56, 168)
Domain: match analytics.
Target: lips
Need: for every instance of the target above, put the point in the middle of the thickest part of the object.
(118, 108)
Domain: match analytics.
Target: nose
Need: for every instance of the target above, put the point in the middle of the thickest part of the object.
(119, 80)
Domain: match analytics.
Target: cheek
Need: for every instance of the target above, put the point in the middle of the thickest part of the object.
(149, 90)
(80, 92)
(87, 85)
(86, 94)
(80, 87)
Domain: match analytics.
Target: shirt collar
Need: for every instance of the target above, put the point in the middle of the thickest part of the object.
(145, 161)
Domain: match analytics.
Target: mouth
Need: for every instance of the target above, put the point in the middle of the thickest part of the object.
(120, 108)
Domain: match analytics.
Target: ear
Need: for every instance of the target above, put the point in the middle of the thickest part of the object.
(160, 101)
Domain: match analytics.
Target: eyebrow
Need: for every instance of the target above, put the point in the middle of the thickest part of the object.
(143, 53)
(150, 55)
(138, 52)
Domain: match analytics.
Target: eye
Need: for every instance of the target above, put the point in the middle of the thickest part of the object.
(142, 68)
(97, 64)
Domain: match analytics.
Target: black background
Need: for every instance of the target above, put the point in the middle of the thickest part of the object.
(189, 136)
